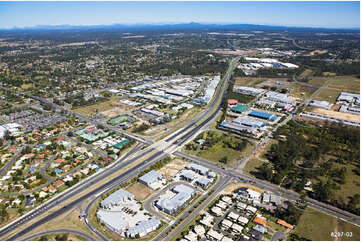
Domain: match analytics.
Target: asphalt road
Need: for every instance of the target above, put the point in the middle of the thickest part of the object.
(265, 185)
(61, 231)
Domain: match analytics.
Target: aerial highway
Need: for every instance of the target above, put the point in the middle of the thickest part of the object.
(88, 185)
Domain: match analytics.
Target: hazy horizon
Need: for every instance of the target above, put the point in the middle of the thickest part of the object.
(287, 14)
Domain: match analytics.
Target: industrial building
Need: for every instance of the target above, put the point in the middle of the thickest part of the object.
(211, 88)
(320, 104)
(263, 115)
(171, 205)
(150, 178)
(116, 198)
(238, 127)
(248, 90)
(239, 108)
(349, 97)
(248, 122)
(279, 97)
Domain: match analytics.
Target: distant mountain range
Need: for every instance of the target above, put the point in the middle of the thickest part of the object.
(178, 27)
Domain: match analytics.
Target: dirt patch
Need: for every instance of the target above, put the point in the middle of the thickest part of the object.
(119, 109)
(172, 168)
(140, 191)
(331, 113)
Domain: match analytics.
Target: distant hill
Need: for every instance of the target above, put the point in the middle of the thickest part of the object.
(180, 27)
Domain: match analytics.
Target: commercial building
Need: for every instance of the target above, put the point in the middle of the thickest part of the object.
(154, 112)
(203, 182)
(197, 168)
(116, 198)
(150, 178)
(263, 115)
(142, 228)
(182, 195)
(349, 97)
(115, 221)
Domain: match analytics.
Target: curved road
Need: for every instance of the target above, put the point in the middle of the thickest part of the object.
(61, 231)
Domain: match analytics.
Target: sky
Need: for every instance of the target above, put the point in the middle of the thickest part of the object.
(308, 14)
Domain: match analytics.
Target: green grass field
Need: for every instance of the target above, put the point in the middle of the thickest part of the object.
(328, 94)
(217, 152)
(315, 225)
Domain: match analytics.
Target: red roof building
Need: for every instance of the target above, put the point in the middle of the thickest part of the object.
(232, 101)
(51, 189)
(284, 223)
(59, 160)
(259, 220)
(58, 184)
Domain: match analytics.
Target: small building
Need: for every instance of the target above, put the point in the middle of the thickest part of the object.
(241, 206)
(214, 235)
(227, 199)
(284, 223)
(59, 183)
(251, 209)
(232, 101)
(259, 220)
(237, 228)
(259, 228)
(242, 220)
(226, 223)
(233, 216)
(217, 211)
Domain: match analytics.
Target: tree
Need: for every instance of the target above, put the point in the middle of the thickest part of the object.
(224, 160)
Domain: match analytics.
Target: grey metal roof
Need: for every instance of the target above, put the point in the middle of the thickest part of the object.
(203, 181)
(151, 177)
(115, 220)
(197, 167)
(117, 197)
(143, 227)
(184, 193)
(187, 175)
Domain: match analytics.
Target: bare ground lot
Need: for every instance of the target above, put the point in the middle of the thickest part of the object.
(140, 191)
(172, 168)
(331, 113)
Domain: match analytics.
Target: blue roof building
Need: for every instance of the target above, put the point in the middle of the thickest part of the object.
(263, 115)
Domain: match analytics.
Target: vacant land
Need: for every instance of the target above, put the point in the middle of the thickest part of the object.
(306, 73)
(315, 225)
(102, 106)
(172, 168)
(331, 113)
(220, 148)
(337, 85)
(254, 81)
(328, 94)
(140, 191)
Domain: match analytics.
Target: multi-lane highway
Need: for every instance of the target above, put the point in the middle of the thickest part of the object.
(89, 184)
